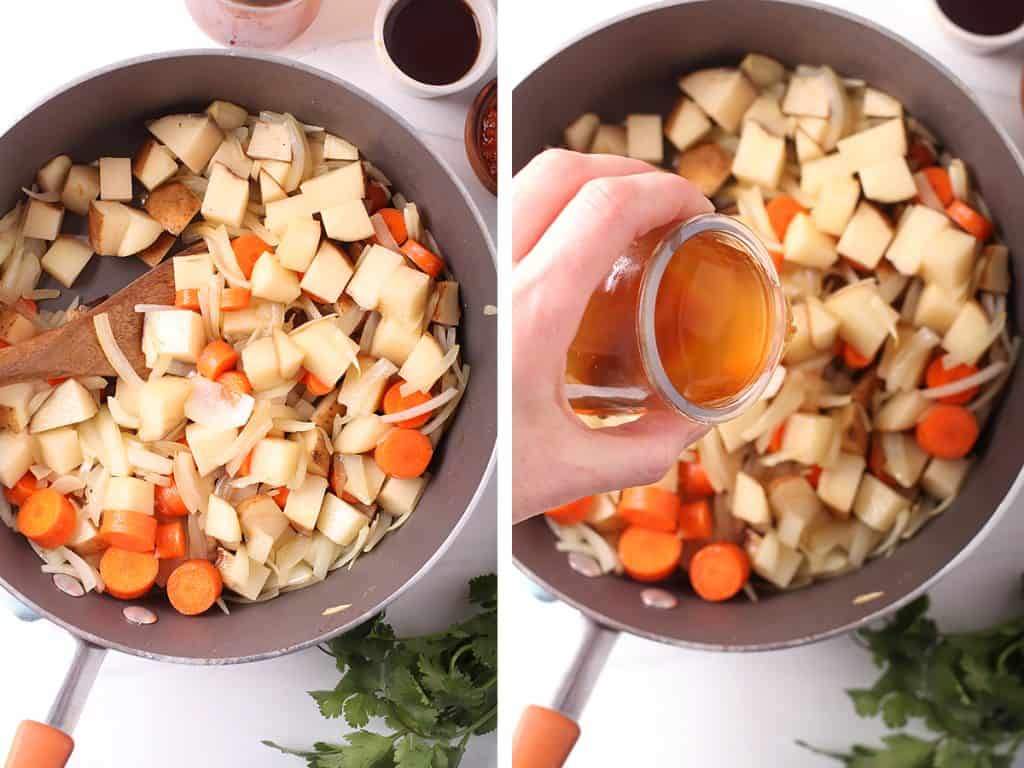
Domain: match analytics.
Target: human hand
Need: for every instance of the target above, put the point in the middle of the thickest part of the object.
(572, 216)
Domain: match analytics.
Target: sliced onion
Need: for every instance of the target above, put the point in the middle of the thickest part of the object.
(959, 180)
(785, 404)
(384, 237)
(7, 513)
(223, 257)
(120, 415)
(42, 197)
(144, 308)
(113, 353)
(89, 576)
(214, 405)
(974, 380)
(291, 425)
(381, 369)
(142, 459)
(442, 416)
(418, 410)
(300, 155)
(42, 294)
(378, 530)
(926, 192)
(67, 484)
(186, 479)
(113, 443)
(750, 202)
(257, 428)
(369, 330)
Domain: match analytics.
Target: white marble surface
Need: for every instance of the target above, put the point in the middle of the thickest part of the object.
(659, 706)
(161, 715)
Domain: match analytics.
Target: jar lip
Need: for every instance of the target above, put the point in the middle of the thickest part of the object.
(649, 286)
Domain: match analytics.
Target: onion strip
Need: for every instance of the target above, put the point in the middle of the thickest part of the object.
(116, 358)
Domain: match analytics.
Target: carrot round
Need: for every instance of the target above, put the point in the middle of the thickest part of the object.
(194, 586)
(395, 220)
(695, 520)
(22, 489)
(814, 476)
(853, 358)
(394, 402)
(719, 570)
(650, 507)
(236, 381)
(129, 530)
(170, 540)
(168, 500)
(404, 453)
(778, 259)
(246, 466)
(782, 209)
(280, 496)
(694, 482)
(248, 249)
(47, 518)
(376, 196)
(947, 431)
(128, 574)
(216, 358)
(232, 299)
(969, 220)
(938, 375)
(315, 385)
(648, 555)
(938, 178)
(187, 298)
(775, 444)
(572, 513)
(429, 262)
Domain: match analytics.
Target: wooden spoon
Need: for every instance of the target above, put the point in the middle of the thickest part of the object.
(73, 350)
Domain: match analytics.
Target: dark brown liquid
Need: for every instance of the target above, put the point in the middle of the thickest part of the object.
(433, 41)
(985, 17)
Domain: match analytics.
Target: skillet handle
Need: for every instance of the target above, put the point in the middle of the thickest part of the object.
(543, 739)
(39, 746)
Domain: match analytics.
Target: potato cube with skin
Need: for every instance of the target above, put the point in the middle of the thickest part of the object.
(209, 446)
(877, 505)
(303, 505)
(270, 190)
(724, 94)
(60, 450)
(231, 155)
(404, 295)
(815, 173)
(43, 220)
(968, 337)
(289, 355)
(372, 272)
(836, 203)
(274, 461)
(299, 244)
(69, 403)
(347, 221)
(270, 141)
(866, 236)
(115, 178)
(949, 259)
(142, 231)
(805, 244)
(806, 148)
(365, 479)
(889, 181)
(916, 229)
(995, 269)
(319, 451)
(837, 485)
(228, 116)
(327, 352)
(609, 140)
(222, 522)
(749, 502)
(128, 494)
(256, 575)
(192, 138)
(760, 158)
(775, 562)
(887, 141)
(328, 274)
(731, 432)
(179, 334)
(685, 126)
(944, 477)
(65, 259)
(108, 224)
(173, 205)
(273, 282)
(153, 164)
(226, 198)
(335, 187)
(337, 148)
(52, 176)
(263, 524)
(864, 318)
(339, 521)
(161, 406)
(14, 402)
(707, 166)
(447, 310)
(81, 188)
(643, 138)
(400, 495)
(763, 71)
(16, 449)
(281, 212)
(260, 363)
(422, 368)
(807, 438)
(361, 434)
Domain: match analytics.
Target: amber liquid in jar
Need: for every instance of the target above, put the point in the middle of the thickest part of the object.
(715, 325)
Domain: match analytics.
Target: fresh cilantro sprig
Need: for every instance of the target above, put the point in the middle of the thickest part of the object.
(432, 692)
(967, 688)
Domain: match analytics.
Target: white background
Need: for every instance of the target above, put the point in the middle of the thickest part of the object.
(161, 715)
(659, 706)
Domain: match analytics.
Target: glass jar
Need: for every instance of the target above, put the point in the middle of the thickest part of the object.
(253, 23)
(691, 319)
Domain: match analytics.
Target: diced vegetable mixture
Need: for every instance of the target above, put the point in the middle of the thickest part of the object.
(898, 347)
(298, 385)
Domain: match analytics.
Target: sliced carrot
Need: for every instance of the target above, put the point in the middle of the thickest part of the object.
(280, 496)
(47, 518)
(969, 220)
(22, 489)
(853, 358)
(921, 155)
(938, 178)
(315, 385)
(719, 570)
(236, 381)
(128, 574)
(170, 540)
(429, 262)
(395, 220)
(27, 306)
(187, 298)
(695, 520)
(648, 555)
(194, 586)
(394, 402)
(376, 196)
(571, 513)
(404, 453)
(217, 357)
(650, 507)
(947, 431)
(248, 249)
(814, 476)
(938, 375)
(245, 468)
(232, 299)
(168, 500)
(775, 444)
(129, 530)
(694, 482)
(782, 209)
(57, 380)
(778, 259)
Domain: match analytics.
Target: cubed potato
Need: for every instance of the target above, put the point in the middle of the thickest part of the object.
(222, 522)
(256, 575)
(226, 198)
(949, 258)
(173, 205)
(400, 495)
(288, 354)
(724, 94)
(365, 478)
(335, 187)
(142, 231)
(278, 170)
(880, 104)
(936, 308)
(763, 71)
(905, 357)
(303, 505)
(805, 244)
(816, 129)
(995, 269)
(731, 432)
(904, 459)
(337, 148)
(231, 155)
(968, 337)
(806, 148)
(374, 269)
(602, 515)
(59, 449)
(328, 274)
(799, 345)
(270, 141)
(901, 411)
(362, 400)
(404, 295)
(643, 138)
(685, 125)
(270, 190)
(766, 112)
(16, 449)
(161, 406)
(760, 157)
(275, 460)
(319, 451)
(116, 178)
(339, 521)
(447, 310)
(178, 333)
(347, 221)
(327, 351)
(69, 403)
(85, 540)
(273, 282)
(261, 364)
(192, 138)
(43, 220)
(773, 561)
(14, 326)
(66, 258)
(807, 437)
(796, 507)
(361, 434)
(209, 446)
(128, 494)
(299, 244)
(864, 318)
(52, 176)
(944, 477)
(241, 323)
(806, 97)
(916, 229)
(422, 368)
(81, 188)
(815, 173)
(226, 115)
(262, 523)
(884, 142)
(280, 212)
(193, 271)
(14, 402)
(153, 165)
(749, 502)
(609, 140)
(824, 326)
(836, 203)
(877, 505)
(837, 485)
(866, 236)
(889, 181)
(108, 224)
(707, 166)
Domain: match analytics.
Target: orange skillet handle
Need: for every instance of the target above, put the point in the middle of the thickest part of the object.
(543, 739)
(39, 746)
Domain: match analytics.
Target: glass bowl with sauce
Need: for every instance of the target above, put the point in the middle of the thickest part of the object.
(692, 319)
(481, 136)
